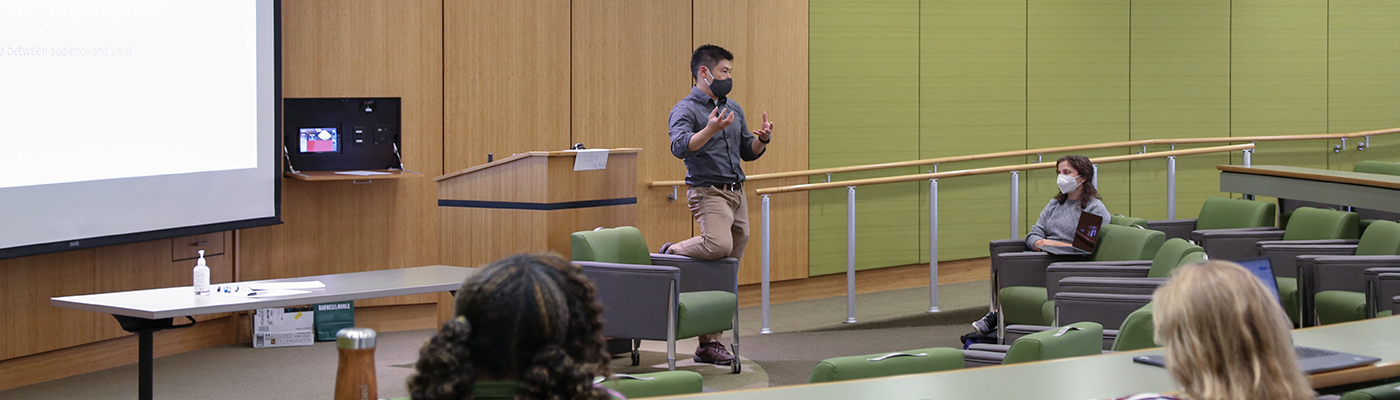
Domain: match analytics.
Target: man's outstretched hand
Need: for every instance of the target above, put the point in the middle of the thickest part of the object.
(766, 133)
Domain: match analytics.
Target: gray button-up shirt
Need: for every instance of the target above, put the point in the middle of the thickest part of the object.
(717, 162)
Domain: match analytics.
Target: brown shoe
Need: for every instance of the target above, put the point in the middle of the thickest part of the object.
(713, 353)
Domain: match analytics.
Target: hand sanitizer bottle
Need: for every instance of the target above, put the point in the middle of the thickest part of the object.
(201, 276)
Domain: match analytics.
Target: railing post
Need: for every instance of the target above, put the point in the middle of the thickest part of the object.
(850, 254)
(767, 251)
(1096, 176)
(1171, 187)
(933, 245)
(1247, 162)
(1015, 204)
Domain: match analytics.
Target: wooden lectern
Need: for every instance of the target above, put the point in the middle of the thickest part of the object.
(531, 202)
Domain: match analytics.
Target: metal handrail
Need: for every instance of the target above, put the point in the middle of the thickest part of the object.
(1063, 149)
(933, 212)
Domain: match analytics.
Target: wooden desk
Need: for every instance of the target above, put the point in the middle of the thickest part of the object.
(144, 312)
(1356, 189)
(1095, 377)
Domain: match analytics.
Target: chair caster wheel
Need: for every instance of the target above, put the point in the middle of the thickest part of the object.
(736, 367)
(636, 358)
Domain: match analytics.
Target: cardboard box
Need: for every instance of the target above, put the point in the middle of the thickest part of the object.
(332, 317)
(283, 327)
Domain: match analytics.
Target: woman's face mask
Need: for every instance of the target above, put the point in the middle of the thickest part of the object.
(1067, 183)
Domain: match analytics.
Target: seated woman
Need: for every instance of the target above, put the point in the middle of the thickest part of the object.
(527, 327)
(1225, 337)
(1061, 216)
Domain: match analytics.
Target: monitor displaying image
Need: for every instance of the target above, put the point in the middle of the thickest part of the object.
(319, 140)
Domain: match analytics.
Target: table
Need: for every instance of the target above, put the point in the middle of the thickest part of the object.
(1095, 377)
(1356, 189)
(144, 312)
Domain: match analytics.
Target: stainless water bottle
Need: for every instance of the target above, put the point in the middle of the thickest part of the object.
(354, 378)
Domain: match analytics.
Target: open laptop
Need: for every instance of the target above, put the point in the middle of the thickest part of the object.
(1311, 360)
(1086, 237)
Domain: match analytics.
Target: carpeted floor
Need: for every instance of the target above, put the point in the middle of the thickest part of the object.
(804, 333)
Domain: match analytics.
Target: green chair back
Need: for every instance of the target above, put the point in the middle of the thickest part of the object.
(622, 245)
(656, 384)
(1120, 220)
(1086, 338)
(1169, 257)
(1378, 167)
(1121, 243)
(1382, 238)
(861, 367)
(1136, 332)
(1389, 391)
(1223, 213)
(1308, 223)
(1195, 257)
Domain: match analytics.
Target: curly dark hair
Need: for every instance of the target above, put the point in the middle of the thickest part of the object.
(532, 318)
(1085, 168)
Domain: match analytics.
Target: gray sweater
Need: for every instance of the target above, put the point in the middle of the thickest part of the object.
(1057, 221)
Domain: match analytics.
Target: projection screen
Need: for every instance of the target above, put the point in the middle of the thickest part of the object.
(136, 120)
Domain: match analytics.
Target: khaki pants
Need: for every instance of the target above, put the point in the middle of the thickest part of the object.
(723, 216)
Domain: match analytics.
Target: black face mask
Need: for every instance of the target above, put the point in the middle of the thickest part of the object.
(720, 88)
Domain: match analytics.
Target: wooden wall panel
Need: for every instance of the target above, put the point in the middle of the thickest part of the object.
(379, 48)
(769, 42)
(30, 325)
(505, 73)
(1278, 77)
(628, 70)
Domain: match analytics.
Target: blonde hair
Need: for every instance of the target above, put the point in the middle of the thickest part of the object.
(1226, 336)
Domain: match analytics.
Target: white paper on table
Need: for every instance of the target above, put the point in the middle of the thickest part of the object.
(287, 285)
(246, 292)
(590, 159)
(362, 173)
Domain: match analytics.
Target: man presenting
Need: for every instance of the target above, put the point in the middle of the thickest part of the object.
(709, 132)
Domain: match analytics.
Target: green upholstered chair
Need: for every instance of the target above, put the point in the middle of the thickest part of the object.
(1084, 275)
(1219, 213)
(1307, 223)
(1073, 340)
(1019, 279)
(656, 384)
(1382, 286)
(649, 296)
(886, 364)
(1287, 206)
(1121, 220)
(1331, 276)
(1137, 331)
(1389, 391)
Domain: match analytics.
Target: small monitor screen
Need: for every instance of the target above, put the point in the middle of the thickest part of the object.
(319, 140)
(1262, 269)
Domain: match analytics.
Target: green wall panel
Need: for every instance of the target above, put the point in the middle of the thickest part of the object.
(1278, 78)
(864, 103)
(1077, 90)
(972, 91)
(1180, 89)
(915, 79)
(1362, 89)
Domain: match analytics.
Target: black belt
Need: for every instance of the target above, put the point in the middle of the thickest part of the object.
(733, 187)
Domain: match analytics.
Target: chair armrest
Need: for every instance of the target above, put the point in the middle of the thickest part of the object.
(1345, 272)
(1174, 228)
(1382, 284)
(1014, 332)
(1024, 269)
(1283, 254)
(1105, 309)
(977, 358)
(1001, 348)
(1111, 285)
(1006, 246)
(701, 275)
(1125, 269)
(1234, 244)
(636, 299)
